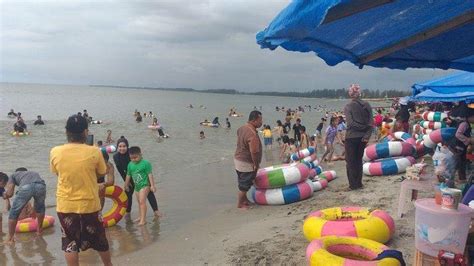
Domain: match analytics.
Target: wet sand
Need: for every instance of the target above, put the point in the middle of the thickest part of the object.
(215, 231)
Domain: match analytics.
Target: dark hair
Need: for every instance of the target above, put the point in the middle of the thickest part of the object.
(332, 120)
(379, 111)
(134, 150)
(100, 143)
(21, 169)
(122, 139)
(76, 137)
(3, 177)
(279, 123)
(254, 115)
(285, 139)
(303, 128)
(291, 141)
(106, 156)
(312, 138)
(298, 120)
(268, 127)
(202, 132)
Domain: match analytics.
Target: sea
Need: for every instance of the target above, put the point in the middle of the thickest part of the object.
(189, 173)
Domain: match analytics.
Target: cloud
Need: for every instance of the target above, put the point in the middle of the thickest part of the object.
(202, 44)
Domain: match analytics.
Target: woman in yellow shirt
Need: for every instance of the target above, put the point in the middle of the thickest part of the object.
(267, 137)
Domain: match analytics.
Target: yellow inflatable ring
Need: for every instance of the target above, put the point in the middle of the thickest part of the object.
(20, 134)
(31, 225)
(347, 251)
(349, 221)
(119, 207)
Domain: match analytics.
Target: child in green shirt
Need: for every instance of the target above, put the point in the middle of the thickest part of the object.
(140, 171)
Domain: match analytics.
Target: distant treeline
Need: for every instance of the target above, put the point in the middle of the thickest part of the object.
(324, 93)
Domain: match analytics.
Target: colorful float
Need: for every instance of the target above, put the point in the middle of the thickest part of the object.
(432, 124)
(302, 154)
(388, 166)
(438, 136)
(280, 196)
(387, 150)
(376, 225)
(31, 224)
(20, 134)
(279, 176)
(109, 148)
(119, 207)
(347, 251)
(434, 116)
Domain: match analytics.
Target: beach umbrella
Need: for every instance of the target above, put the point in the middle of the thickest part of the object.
(379, 33)
(452, 88)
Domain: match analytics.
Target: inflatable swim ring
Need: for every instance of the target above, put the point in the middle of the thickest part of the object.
(236, 115)
(375, 225)
(387, 150)
(96, 122)
(302, 154)
(284, 195)
(399, 135)
(323, 179)
(20, 134)
(388, 166)
(119, 207)
(109, 148)
(438, 135)
(280, 176)
(208, 124)
(434, 116)
(347, 251)
(315, 171)
(421, 148)
(432, 125)
(154, 126)
(310, 158)
(31, 225)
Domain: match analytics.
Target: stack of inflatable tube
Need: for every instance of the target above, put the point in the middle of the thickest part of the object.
(322, 180)
(31, 225)
(399, 135)
(434, 116)
(302, 154)
(432, 124)
(315, 171)
(387, 150)
(336, 250)
(284, 195)
(109, 148)
(438, 135)
(375, 225)
(388, 166)
(421, 148)
(280, 176)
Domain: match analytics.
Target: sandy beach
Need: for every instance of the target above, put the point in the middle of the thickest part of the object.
(273, 235)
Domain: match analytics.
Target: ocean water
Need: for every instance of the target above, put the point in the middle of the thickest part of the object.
(188, 171)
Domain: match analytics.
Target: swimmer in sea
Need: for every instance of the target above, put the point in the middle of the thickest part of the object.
(227, 123)
(12, 113)
(38, 121)
(201, 135)
(139, 118)
(216, 121)
(19, 126)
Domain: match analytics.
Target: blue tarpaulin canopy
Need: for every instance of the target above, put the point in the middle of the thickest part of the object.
(381, 33)
(453, 88)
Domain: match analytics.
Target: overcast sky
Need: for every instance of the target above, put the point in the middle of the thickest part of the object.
(196, 44)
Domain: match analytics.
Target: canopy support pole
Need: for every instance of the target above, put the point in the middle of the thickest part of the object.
(433, 32)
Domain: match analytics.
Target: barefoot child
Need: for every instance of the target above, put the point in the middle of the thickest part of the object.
(107, 180)
(109, 140)
(140, 171)
(331, 133)
(3, 183)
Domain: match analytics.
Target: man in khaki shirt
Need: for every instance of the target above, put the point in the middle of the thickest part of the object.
(248, 156)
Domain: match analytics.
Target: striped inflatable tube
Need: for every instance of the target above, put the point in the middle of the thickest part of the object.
(310, 158)
(315, 171)
(280, 176)
(284, 195)
(119, 207)
(20, 134)
(109, 148)
(434, 116)
(31, 225)
(329, 250)
(322, 181)
(312, 165)
(388, 166)
(432, 125)
(349, 221)
(387, 150)
(421, 149)
(302, 154)
(438, 135)
(399, 135)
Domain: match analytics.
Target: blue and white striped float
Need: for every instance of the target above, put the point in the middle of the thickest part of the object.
(322, 180)
(280, 196)
(389, 166)
(302, 154)
(315, 171)
(438, 135)
(387, 150)
(399, 135)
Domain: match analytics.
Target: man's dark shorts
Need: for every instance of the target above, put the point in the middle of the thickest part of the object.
(82, 231)
(245, 180)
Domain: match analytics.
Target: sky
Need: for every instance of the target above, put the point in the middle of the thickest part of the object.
(200, 44)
